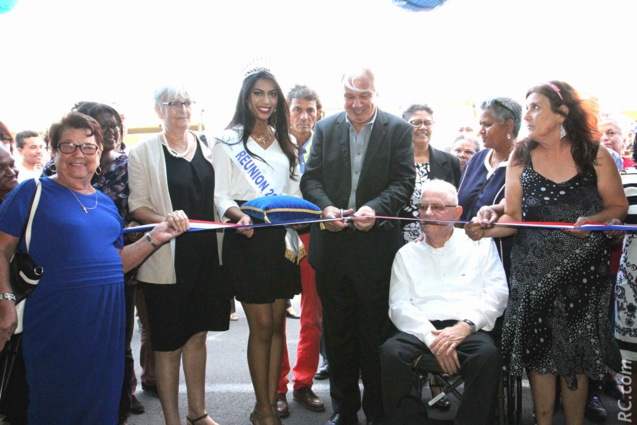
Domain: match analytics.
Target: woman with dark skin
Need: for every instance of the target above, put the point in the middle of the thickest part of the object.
(6, 138)
(262, 278)
(8, 173)
(483, 180)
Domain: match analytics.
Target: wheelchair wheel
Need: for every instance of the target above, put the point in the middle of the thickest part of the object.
(510, 406)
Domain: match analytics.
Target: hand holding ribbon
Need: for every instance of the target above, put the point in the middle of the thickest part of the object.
(245, 231)
(334, 213)
(364, 218)
(614, 234)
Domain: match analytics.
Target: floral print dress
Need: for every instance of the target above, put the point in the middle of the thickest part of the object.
(411, 229)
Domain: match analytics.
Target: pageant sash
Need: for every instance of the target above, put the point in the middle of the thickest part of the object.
(256, 173)
(253, 170)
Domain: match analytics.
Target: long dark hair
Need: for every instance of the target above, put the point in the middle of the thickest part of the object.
(280, 119)
(580, 124)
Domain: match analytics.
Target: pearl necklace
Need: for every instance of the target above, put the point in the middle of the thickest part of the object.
(81, 204)
(171, 151)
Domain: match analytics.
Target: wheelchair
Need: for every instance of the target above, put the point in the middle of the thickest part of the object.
(509, 397)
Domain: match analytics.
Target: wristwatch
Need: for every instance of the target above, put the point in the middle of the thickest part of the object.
(471, 325)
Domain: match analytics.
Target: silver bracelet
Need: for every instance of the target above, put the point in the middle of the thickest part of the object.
(7, 296)
(150, 241)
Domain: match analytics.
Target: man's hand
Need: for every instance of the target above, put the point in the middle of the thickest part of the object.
(474, 229)
(364, 218)
(445, 344)
(333, 212)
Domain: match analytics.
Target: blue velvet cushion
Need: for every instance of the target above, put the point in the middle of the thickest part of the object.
(278, 209)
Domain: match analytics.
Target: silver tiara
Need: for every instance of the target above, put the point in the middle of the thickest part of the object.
(255, 65)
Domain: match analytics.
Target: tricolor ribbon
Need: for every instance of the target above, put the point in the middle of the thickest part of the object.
(199, 225)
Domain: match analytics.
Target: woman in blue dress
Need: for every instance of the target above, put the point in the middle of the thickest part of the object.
(483, 178)
(74, 320)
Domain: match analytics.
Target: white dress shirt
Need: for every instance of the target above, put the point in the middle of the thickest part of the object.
(462, 280)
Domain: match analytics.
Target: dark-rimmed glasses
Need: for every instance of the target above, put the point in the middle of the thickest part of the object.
(176, 104)
(6, 138)
(434, 207)
(85, 148)
(418, 123)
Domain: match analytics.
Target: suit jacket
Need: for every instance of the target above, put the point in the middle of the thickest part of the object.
(444, 166)
(386, 184)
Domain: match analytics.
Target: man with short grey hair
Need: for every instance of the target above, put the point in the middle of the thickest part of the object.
(445, 295)
(361, 166)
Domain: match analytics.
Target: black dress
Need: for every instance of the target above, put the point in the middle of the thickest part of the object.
(200, 300)
(257, 266)
(557, 318)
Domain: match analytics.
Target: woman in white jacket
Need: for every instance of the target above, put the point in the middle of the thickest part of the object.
(186, 297)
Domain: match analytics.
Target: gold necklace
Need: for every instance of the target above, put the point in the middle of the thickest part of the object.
(263, 139)
(81, 204)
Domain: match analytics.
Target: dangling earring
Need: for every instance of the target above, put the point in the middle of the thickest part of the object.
(508, 137)
(53, 168)
(98, 170)
(562, 132)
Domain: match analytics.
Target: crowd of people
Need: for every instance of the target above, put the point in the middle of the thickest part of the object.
(423, 259)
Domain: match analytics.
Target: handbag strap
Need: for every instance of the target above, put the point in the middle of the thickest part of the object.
(26, 231)
(475, 198)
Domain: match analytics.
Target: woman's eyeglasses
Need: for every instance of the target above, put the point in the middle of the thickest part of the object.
(418, 123)
(176, 104)
(86, 148)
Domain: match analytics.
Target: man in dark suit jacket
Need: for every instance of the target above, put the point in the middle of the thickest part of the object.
(361, 163)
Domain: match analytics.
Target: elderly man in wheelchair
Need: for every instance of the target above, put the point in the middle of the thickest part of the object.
(446, 293)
